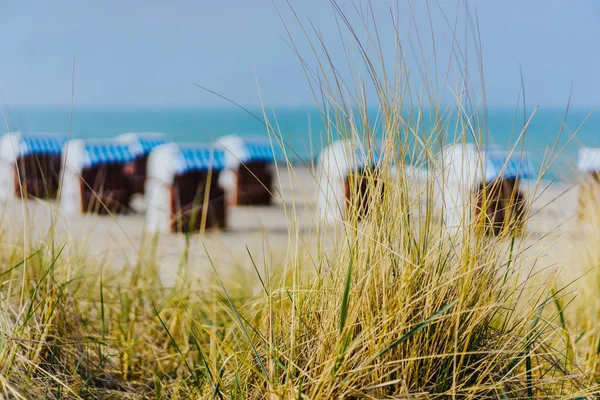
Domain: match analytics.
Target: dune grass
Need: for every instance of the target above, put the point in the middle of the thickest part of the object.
(388, 305)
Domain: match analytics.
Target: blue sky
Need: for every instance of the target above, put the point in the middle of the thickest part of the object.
(140, 53)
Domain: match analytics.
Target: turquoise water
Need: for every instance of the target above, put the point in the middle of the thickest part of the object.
(301, 128)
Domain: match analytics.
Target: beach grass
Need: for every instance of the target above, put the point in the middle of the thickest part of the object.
(386, 305)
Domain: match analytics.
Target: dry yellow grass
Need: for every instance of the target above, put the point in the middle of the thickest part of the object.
(387, 306)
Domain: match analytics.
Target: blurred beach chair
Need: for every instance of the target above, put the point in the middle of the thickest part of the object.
(250, 169)
(588, 161)
(347, 178)
(183, 192)
(140, 145)
(30, 164)
(483, 187)
(95, 177)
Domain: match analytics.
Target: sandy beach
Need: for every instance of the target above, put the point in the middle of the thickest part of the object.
(118, 240)
(268, 233)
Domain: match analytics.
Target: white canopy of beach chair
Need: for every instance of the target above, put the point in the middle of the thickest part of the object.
(588, 159)
(142, 143)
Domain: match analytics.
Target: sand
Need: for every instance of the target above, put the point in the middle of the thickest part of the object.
(264, 232)
(270, 234)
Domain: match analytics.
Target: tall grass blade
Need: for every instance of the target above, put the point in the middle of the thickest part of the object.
(237, 316)
(346, 294)
(174, 343)
(417, 328)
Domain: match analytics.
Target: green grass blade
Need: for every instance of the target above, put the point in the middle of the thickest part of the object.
(103, 315)
(17, 265)
(256, 269)
(237, 316)
(417, 328)
(32, 309)
(346, 295)
(174, 343)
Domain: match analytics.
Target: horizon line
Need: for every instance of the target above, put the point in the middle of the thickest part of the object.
(267, 108)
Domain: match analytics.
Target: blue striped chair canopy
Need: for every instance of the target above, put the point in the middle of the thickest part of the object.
(198, 158)
(144, 143)
(97, 153)
(508, 166)
(262, 150)
(51, 144)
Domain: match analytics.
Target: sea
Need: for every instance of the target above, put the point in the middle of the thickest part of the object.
(550, 131)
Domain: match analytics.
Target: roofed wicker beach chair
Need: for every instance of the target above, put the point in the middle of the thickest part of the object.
(30, 164)
(249, 176)
(95, 177)
(348, 179)
(482, 189)
(140, 145)
(183, 191)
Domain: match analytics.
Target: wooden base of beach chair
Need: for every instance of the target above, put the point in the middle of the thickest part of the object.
(254, 182)
(499, 207)
(358, 188)
(105, 190)
(37, 175)
(136, 174)
(197, 202)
